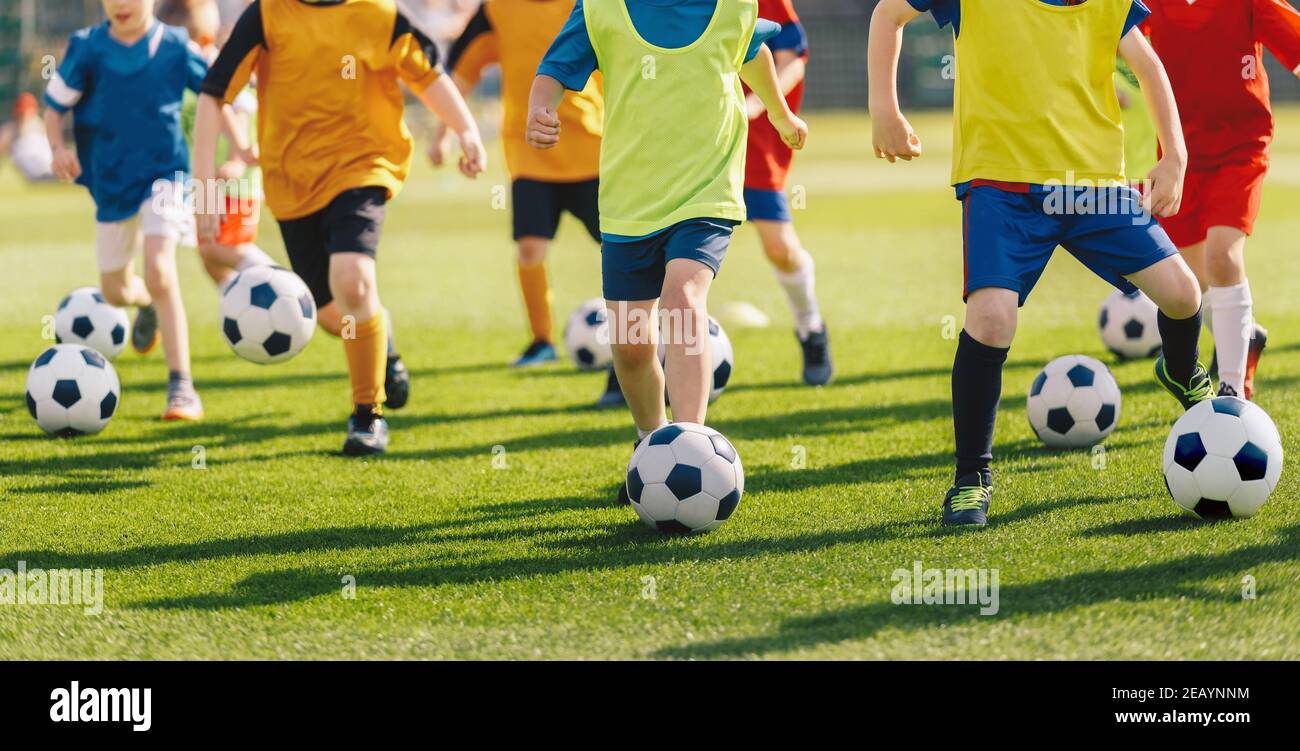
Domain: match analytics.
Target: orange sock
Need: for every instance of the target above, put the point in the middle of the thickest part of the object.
(537, 299)
(367, 358)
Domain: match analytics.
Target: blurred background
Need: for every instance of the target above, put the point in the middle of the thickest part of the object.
(32, 29)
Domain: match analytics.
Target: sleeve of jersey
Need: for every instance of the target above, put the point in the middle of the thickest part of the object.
(571, 59)
(763, 31)
(944, 11)
(196, 68)
(69, 82)
(792, 37)
(1137, 15)
(475, 49)
(417, 55)
(1277, 24)
(233, 68)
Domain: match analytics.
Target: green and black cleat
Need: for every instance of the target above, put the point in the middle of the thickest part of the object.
(967, 502)
(1189, 395)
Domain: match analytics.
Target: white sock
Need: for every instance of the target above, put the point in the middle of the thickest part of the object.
(254, 256)
(643, 433)
(1233, 323)
(1207, 315)
(800, 290)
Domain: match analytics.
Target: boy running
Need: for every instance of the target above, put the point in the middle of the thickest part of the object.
(671, 171)
(1214, 52)
(123, 82)
(767, 164)
(334, 150)
(1028, 138)
(545, 184)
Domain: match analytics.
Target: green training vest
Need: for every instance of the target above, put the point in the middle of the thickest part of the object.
(675, 120)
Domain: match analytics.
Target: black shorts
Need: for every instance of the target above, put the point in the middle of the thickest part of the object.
(538, 206)
(351, 223)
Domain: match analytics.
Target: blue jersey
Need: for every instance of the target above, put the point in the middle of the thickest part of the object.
(126, 108)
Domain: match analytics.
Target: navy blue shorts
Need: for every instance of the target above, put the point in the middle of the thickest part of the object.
(767, 205)
(635, 270)
(538, 206)
(1010, 236)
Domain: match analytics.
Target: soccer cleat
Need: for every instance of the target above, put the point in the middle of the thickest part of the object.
(144, 334)
(1200, 388)
(367, 435)
(1258, 340)
(183, 404)
(538, 353)
(613, 396)
(397, 383)
(1226, 390)
(967, 503)
(817, 370)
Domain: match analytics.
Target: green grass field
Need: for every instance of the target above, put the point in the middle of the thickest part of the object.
(453, 557)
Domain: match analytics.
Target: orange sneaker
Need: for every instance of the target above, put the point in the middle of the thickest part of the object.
(1258, 340)
(144, 333)
(183, 403)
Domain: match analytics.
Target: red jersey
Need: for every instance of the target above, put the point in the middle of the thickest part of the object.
(767, 161)
(1213, 51)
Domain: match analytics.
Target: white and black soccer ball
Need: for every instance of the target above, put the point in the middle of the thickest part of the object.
(1223, 459)
(723, 357)
(85, 318)
(1074, 402)
(72, 390)
(685, 478)
(1128, 325)
(267, 314)
(586, 336)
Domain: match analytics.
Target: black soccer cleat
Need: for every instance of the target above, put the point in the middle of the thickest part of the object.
(397, 383)
(367, 435)
(613, 396)
(817, 369)
(967, 503)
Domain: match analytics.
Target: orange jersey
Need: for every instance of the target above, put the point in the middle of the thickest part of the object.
(516, 35)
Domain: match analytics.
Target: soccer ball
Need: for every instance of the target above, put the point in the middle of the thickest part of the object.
(267, 314)
(1128, 326)
(685, 478)
(72, 390)
(586, 336)
(85, 318)
(1223, 459)
(1073, 403)
(720, 351)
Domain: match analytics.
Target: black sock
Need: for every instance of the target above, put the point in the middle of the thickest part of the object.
(1181, 343)
(976, 391)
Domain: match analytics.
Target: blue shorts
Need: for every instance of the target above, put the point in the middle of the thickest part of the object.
(634, 269)
(1010, 236)
(767, 205)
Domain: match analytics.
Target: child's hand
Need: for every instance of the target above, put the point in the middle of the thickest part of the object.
(473, 157)
(440, 146)
(1166, 194)
(66, 165)
(543, 128)
(250, 156)
(793, 130)
(894, 139)
(232, 170)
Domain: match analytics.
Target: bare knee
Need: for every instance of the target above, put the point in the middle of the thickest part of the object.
(532, 250)
(635, 355)
(160, 278)
(1183, 298)
(781, 245)
(991, 316)
(353, 284)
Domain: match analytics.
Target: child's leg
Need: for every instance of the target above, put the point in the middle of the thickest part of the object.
(795, 272)
(123, 288)
(991, 316)
(634, 328)
(535, 287)
(116, 244)
(1174, 289)
(1229, 301)
(160, 279)
(353, 284)
(688, 363)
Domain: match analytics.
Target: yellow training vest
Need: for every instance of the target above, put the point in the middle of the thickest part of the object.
(675, 122)
(1035, 100)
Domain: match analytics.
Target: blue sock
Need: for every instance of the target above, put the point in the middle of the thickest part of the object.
(976, 391)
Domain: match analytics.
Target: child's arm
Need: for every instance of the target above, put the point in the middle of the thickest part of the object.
(1166, 194)
(471, 53)
(790, 71)
(543, 130)
(891, 133)
(444, 100)
(441, 142)
(759, 74)
(1277, 26)
(66, 165)
(207, 123)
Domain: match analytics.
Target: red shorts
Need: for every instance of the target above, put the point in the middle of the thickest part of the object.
(239, 222)
(1228, 196)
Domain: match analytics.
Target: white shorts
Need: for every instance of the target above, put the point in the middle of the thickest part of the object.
(164, 214)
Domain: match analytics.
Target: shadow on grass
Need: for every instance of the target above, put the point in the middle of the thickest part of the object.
(859, 379)
(1167, 579)
(581, 547)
